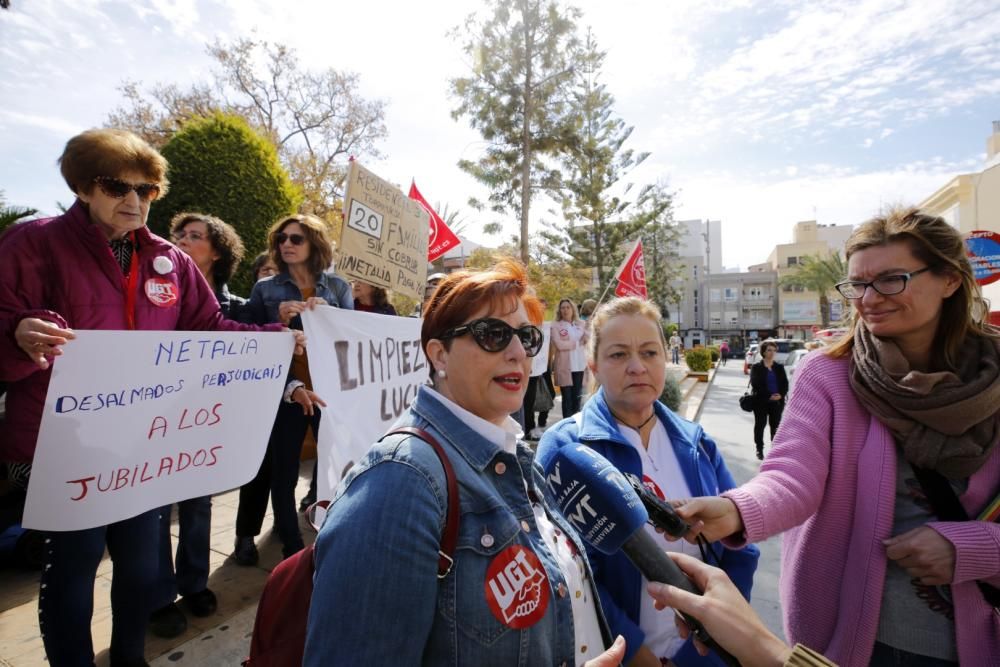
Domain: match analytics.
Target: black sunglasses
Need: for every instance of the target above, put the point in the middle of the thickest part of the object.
(296, 239)
(117, 188)
(494, 335)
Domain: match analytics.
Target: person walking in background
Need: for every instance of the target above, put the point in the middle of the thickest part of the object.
(300, 247)
(569, 336)
(86, 269)
(723, 352)
(675, 348)
(216, 250)
(539, 394)
(769, 385)
(371, 299)
(885, 467)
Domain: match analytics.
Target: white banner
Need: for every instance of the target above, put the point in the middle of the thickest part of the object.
(367, 367)
(135, 420)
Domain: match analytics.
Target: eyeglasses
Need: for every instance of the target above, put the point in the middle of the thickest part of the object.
(118, 189)
(884, 285)
(190, 236)
(296, 239)
(494, 335)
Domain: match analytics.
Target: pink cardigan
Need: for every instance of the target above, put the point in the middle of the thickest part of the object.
(829, 484)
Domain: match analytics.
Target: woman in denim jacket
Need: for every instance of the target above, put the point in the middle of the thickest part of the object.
(520, 591)
(301, 249)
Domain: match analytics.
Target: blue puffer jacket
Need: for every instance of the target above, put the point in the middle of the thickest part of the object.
(619, 583)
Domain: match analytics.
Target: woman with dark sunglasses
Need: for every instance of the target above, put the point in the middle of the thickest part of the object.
(520, 590)
(625, 422)
(97, 266)
(301, 249)
(883, 473)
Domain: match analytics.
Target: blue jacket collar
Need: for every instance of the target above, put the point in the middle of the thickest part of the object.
(599, 424)
(477, 450)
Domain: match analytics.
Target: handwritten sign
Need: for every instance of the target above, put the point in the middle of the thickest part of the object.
(384, 237)
(134, 420)
(367, 367)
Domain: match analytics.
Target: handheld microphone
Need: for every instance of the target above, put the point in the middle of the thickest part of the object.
(604, 508)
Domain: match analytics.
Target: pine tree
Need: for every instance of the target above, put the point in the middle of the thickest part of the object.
(523, 56)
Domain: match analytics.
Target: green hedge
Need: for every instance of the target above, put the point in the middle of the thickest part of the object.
(715, 351)
(220, 166)
(671, 396)
(698, 360)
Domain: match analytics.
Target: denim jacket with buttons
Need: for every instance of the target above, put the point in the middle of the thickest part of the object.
(268, 293)
(377, 599)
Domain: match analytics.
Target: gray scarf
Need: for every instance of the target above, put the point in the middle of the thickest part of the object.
(944, 421)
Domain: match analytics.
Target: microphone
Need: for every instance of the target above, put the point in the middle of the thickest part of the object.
(601, 504)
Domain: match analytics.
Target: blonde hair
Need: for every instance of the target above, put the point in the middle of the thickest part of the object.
(627, 305)
(941, 247)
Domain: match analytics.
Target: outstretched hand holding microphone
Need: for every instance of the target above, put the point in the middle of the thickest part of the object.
(605, 509)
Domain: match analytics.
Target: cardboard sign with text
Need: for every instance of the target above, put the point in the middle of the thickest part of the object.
(367, 367)
(383, 240)
(135, 420)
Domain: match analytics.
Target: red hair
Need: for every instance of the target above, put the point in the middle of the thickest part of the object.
(463, 293)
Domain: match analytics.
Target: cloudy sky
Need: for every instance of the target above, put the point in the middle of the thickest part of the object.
(759, 114)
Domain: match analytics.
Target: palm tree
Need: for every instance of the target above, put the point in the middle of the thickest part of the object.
(11, 214)
(820, 275)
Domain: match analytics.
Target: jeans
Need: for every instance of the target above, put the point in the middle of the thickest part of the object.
(762, 414)
(66, 597)
(194, 519)
(571, 395)
(278, 475)
(888, 656)
(675, 353)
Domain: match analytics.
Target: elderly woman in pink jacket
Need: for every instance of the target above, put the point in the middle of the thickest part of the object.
(97, 266)
(569, 337)
(885, 472)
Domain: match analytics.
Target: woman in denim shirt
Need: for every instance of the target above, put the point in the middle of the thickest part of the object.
(520, 591)
(301, 249)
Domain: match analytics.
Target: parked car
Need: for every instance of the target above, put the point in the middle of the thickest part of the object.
(785, 346)
(751, 351)
(792, 363)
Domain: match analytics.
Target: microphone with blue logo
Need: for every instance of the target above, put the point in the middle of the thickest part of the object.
(608, 514)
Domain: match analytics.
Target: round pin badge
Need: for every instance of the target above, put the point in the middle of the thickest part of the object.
(648, 482)
(163, 265)
(517, 589)
(161, 292)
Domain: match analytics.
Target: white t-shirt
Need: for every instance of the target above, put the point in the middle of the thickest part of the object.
(663, 475)
(540, 362)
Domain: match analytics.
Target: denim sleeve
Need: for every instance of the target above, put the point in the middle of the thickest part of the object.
(375, 587)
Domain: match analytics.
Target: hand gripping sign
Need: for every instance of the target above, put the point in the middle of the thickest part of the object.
(135, 420)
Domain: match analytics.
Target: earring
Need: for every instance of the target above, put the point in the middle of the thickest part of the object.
(442, 373)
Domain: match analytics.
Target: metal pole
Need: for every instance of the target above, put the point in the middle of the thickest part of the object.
(708, 285)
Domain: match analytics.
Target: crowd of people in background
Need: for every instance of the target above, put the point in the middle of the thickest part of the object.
(882, 469)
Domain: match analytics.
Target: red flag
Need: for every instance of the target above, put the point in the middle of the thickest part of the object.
(632, 274)
(442, 239)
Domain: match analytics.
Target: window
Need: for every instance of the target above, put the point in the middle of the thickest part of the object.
(730, 294)
(793, 261)
(714, 294)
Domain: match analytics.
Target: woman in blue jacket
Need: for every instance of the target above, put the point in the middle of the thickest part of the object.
(625, 422)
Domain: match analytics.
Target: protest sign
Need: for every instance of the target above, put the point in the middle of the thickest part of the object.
(135, 420)
(367, 367)
(383, 240)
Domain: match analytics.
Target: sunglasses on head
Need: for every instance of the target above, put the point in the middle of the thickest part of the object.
(117, 188)
(494, 335)
(296, 239)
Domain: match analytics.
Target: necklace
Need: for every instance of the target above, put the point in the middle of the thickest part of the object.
(636, 428)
